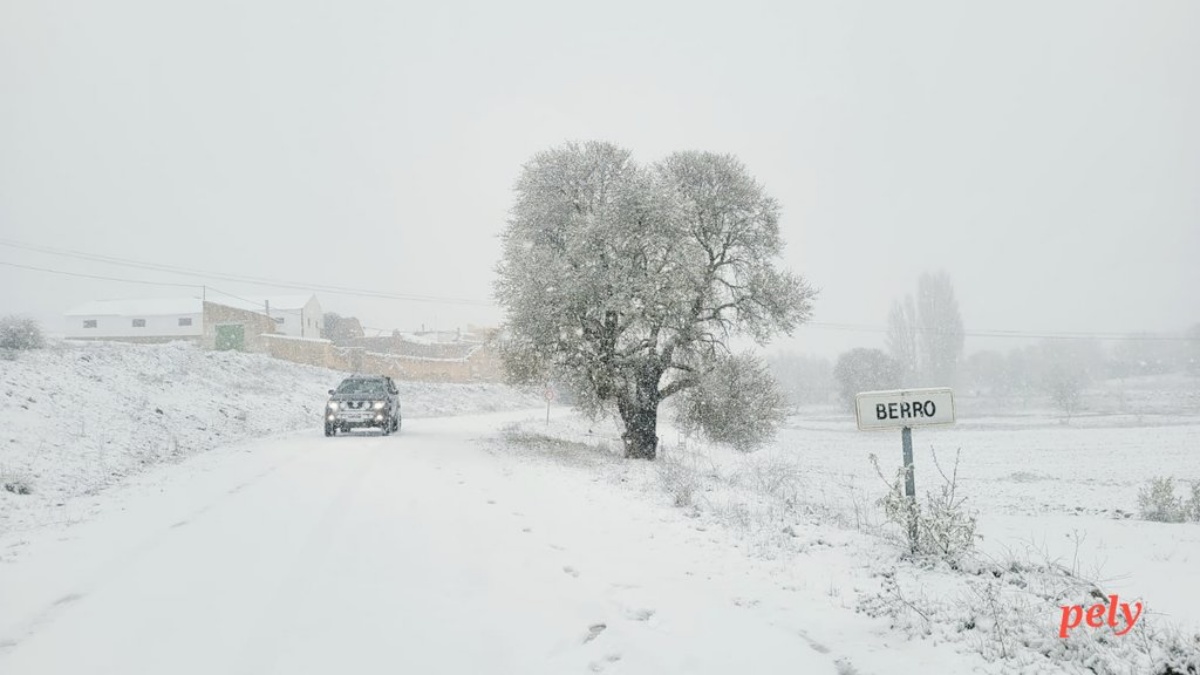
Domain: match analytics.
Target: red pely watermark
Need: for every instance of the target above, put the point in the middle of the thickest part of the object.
(1099, 615)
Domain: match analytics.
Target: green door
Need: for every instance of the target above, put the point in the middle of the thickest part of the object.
(231, 337)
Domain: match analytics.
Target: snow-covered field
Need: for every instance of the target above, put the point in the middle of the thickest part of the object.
(1056, 506)
(503, 543)
(80, 416)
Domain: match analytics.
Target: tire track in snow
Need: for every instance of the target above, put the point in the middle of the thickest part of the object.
(258, 654)
(124, 559)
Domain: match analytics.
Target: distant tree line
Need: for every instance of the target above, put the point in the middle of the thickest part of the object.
(924, 347)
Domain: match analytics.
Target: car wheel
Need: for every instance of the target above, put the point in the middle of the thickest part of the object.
(387, 428)
(397, 429)
(329, 430)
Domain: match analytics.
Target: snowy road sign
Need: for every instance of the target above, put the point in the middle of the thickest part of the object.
(904, 408)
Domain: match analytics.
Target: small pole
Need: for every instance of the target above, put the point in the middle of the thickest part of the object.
(910, 486)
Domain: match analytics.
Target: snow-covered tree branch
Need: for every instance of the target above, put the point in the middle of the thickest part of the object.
(627, 283)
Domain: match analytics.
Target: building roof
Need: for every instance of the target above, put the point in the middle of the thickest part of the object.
(175, 306)
(274, 304)
(281, 301)
(139, 307)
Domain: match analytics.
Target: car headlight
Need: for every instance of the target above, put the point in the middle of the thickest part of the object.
(333, 405)
(379, 405)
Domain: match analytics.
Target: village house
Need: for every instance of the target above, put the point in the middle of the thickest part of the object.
(294, 315)
(212, 325)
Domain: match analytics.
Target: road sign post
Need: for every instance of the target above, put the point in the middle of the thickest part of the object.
(904, 409)
(910, 484)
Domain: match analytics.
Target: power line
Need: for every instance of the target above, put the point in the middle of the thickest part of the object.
(149, 283)
(1012, 334)
(238, 278)
(983, 333)
(97, 276)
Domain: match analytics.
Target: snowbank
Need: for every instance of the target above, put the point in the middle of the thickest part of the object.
(79, 416)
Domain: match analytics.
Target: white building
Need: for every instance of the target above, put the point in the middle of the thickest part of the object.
(213, 325)
(150, 320)
(211, 322)
(294, 315)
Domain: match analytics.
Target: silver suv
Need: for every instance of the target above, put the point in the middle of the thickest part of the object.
(363, 401)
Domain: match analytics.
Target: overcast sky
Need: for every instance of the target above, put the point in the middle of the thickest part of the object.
(1045, 154)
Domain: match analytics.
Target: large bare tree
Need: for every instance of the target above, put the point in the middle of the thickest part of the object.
(627, 283)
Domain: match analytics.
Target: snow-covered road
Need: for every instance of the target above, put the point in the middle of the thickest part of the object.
(426, 552)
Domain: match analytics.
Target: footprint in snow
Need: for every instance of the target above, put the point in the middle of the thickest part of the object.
(599, 666)
(594, 632)
(640, 614)
(68, 599)
(817, 646)
(571, 570)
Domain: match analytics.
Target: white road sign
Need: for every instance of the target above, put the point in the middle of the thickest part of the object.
(904, 408)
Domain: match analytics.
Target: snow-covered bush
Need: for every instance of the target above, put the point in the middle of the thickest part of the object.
(736, 403)
(17, 485)
(679, 481)
(18, 333)
(944, 528)
(1157, 502)
(862, 369)
(1194, 502)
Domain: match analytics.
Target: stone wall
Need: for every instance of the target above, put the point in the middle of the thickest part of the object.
(481, 365)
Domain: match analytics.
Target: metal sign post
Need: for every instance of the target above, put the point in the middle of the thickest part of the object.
(905, 409)
(910, 484)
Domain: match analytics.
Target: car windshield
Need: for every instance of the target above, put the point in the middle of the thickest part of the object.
(361, 387)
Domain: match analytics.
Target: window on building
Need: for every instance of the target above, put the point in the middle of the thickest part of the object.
(139, 323)
(185, 321)
(89, 323)
(279, 319)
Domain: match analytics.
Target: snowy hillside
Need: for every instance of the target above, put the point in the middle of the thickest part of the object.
(79, 416)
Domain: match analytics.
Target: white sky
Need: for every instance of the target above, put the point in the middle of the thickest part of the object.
(1046, 155)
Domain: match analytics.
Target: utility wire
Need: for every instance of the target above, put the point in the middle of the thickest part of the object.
(1015, 334)
(149, 283)
(238, 278)
(97, 276)
(985, 333)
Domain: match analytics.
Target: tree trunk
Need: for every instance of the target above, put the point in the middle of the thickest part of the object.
(640, 414)
(641, 431)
